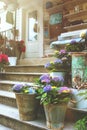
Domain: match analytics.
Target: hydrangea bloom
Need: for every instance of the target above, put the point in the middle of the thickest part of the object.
(73, 41)
(17, 87)
(58, 79)
(64, 90)
(45, 78)
(62, 51)
(58, 61)
(47, 88)
(47, 65)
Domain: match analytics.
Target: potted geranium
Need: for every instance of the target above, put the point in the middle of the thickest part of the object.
(11, 51)
(26, 101)
(3, 61)
(54, 98)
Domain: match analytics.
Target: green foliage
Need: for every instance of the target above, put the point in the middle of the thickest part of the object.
(76, 47)
(81, 124)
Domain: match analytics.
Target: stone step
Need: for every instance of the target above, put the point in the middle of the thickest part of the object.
(28, 69)
(19, 76)
(8, 98)
(35, 61)
(12, 120)
(6, 85)
(4, 128)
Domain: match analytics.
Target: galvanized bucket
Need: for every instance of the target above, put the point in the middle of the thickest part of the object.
(27, 106)
(55, 115)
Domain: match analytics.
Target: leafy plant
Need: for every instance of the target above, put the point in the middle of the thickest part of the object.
(23, 88)
(63, 61)
(50, 90)
(81, 124)
(74, 46)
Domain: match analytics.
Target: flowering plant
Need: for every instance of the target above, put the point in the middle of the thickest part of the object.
(21, 46)
(51, 91)
(83, 35)
(75, 46)
(23, 88)
(3, 60)
(63, 61)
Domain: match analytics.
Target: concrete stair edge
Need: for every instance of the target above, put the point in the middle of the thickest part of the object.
(14, 114)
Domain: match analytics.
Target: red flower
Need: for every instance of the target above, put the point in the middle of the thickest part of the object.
(3, 59)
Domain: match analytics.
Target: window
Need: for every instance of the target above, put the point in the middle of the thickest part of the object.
(32, 26)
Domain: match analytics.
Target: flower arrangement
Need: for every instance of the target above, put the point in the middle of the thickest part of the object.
(75, 46)
(23, 88)
(51, 91)
(63, 61)
(3, 60)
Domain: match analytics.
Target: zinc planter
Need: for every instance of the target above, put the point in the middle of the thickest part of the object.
(55, 115)
(27, 106)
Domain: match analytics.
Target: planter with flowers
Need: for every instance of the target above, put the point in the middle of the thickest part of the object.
(61, 65)
(78, 46)
(54, 98)
(3, 61)
(26, 101)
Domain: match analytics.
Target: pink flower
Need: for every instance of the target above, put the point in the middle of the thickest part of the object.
(64, 90)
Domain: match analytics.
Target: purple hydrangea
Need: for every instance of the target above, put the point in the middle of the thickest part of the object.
(58, 79)
(73, 41)
(17, 87)
(47, 65)
(64, 89)
(62, 51)
(58, 61)
(45, 78)
(47, 88)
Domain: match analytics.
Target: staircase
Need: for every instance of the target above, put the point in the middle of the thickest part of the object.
(9, 116)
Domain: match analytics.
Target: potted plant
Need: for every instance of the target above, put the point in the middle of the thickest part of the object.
(26, 101)
(11, 51)
(3, 61)
(62, 61)
(75, 46)
(61, 65)
(54, 98)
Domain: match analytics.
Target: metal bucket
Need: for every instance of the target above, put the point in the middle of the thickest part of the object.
(27, 106)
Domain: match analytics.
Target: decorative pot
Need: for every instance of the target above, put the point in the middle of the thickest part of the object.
(55, 115)
(27, 106)
(12, 61)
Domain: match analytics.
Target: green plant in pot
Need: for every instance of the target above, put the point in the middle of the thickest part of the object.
(54, 98)
(26, 101)
(61, 65)
(62, 61)
(75, 46)
(81, 124)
